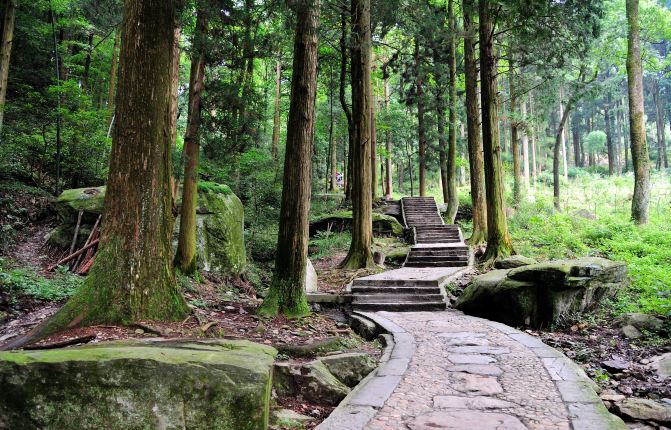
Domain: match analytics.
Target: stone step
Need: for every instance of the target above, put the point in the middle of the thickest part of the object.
(397, 298)
(401, 307)
(437, 234)
(439, 259)
(395, 290)
(457, 253)
(444, 227)
(436, 264)
(439, 241)
(362, 282)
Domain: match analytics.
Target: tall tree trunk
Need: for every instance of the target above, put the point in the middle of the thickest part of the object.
(452, 195)
(274, 149)
(618, 138)
(475, 150)
(388, 142)
(563, 134)
(332, 172)
(360, 254)
(6, 52)
(498, 240)
(373, 145)
(186, 245)
(421, 126)
(610, 145)
(659, 121)
(344, 105)
(575, 135)
(514, 135)
(87, 61)
(132, 278)
(525, 145)
(400, 177)
(286, 294)
(560, 143)
(639, 148)
(440, 122)
(532, 129)
(174, 84)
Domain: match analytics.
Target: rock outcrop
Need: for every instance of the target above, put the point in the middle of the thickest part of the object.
(138, 384)
(542, 294)
(342, 221)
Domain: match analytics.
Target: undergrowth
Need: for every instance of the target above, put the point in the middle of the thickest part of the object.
(27, 282)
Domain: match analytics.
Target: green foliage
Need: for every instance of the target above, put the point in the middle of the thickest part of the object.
(326, 244)
(595, 141)
(22, 281)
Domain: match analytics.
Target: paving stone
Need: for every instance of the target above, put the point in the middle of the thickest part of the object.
(593, 416)
(478, 369)
(490, 350)
(471, 359)
(528, 341)
(561, 370)
(376, 391)
(395, 366)
(476, 384)
(348, 418)
(477, 402)
(466, 420)
(573, 391)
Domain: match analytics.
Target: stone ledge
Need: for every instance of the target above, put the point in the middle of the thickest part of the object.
(363, 402)
(329, 299)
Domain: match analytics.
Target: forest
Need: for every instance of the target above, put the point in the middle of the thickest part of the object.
(299, 192)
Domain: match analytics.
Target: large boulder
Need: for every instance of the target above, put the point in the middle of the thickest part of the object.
(138, 384)
(350, 367)
(70, 202)
(644, 410)
(220, 230)
(542, 294)
(342, 221)
(513, 262)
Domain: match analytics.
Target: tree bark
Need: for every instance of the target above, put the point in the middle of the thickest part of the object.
(278, 105)
(186, 245)
(498, 239)
(563, 134)
(132, 278)
(659, 121)
(440, 123)
(639, 148)
(575, 134)
(287, 294)
(332, 172)
(174, 84)
(514, 135)
(421, 126)
(525, 146)
(475, 150)
(610, 144)
(373, 146)
(6, 52)
(534, 170)
(345, 106)
(388, 142)
(111, 94)
(452, 195)
(360, 254)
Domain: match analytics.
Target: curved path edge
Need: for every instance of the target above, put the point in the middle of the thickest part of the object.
(578, 392)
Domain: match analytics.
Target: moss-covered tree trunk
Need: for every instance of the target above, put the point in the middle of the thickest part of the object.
(132, 277)
(498, 239)
(452, 195)
(9, 15)
(287, 294)
(639, 148)
(278, 104)
(421, 122)
(475, 152)
(360, 254)
(186, 246)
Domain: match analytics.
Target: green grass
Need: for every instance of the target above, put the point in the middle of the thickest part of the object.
(22, 281)
(329, 243)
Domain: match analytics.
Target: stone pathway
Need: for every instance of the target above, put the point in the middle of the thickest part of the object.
(452, 371)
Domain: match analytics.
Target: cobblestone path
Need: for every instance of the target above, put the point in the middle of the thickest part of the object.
(472, 374)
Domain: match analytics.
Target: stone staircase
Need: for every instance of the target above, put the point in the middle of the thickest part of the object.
(438, 254)
(435, 244)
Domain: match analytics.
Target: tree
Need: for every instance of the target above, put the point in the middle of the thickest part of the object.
(186, 245)
(421, 120)
(639, 148)
(498, 240)
(132, 277)
(360, 254)
(475, 151)
(6, 52)
(277, 111)
(452, 195)
(286, 294)
(514, 135)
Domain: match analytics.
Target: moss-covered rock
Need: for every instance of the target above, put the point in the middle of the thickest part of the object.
(351, 367)
(311, 382)
(513, 262)
(221, 240)
(342, 221)
(61, 236)
(542, 294)
(70, 202)
(121, 385)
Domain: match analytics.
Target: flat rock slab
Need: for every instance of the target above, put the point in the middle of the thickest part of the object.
(466, 420)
